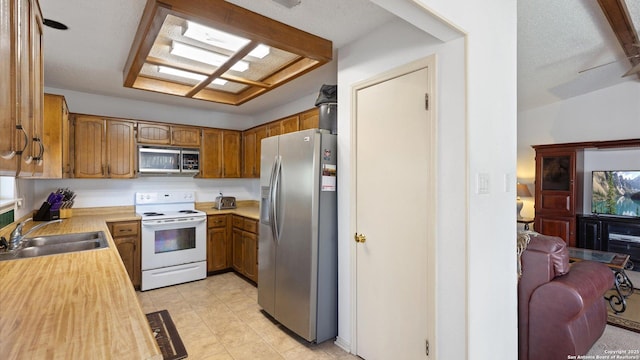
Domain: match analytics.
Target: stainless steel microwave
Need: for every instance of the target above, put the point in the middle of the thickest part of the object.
(159, 160)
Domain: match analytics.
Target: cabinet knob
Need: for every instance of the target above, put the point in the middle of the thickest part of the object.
(360, 238)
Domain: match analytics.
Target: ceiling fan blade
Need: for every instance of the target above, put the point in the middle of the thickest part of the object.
(633, 70)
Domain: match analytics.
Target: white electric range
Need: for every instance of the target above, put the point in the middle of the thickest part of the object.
(174, 238)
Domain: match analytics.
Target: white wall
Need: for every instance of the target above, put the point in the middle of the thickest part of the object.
(476, 134)
(612, 113)
(92, 104)
(491, 101)
(121, 192)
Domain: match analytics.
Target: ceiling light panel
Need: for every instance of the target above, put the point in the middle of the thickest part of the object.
(214, 37)
(244, 54)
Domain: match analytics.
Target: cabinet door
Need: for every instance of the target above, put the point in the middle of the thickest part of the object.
(55, 137)
(557, 226)
(120, 149)
(261, 133)
(24, 83)
(589, 234)
(89, 142)
(217, 249)
(128, 249)
(310, 119)
(185, 136)
(36, 93)
(126, 236)
(238, 250)
(231, 154)
(211, 154)
(274, 128)
(8, 88)
(290, 124)
(158, 134)
(555, 182)
(250, 255)
(249, 154)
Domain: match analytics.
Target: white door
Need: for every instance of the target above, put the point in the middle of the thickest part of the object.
(395, 202)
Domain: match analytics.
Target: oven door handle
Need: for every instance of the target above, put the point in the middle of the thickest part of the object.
(181, 222)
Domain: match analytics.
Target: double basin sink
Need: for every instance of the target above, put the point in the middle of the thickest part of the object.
(57, 244)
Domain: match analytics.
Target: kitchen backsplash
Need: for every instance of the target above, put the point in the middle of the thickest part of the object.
(114, 192)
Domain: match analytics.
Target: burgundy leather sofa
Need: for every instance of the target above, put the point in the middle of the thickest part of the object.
(561, 307)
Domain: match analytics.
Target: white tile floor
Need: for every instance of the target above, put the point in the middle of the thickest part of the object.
(219, 319)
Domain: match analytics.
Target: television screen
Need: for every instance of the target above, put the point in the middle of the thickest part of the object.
(616, 193)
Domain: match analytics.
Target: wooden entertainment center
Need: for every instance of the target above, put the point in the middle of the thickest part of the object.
(558, 200)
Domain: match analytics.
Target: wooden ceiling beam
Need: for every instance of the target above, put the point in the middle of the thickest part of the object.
(620, 21)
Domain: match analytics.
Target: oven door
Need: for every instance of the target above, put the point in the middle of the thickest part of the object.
(169, 242)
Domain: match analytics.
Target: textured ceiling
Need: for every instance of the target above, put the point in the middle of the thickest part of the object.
(565, 49)
(90, 56)
(557, 42)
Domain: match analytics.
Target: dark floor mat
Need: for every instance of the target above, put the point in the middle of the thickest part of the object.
(166, 335)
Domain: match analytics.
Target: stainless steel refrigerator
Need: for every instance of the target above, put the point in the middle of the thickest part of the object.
(298, 241)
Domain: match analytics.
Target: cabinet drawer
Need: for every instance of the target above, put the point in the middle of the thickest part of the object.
(250, 225)
(124, 228)
(215, 221)
(238, 221)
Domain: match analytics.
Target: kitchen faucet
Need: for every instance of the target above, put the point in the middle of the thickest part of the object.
(17, 236)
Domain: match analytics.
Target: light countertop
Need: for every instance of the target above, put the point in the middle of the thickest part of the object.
(79, 305)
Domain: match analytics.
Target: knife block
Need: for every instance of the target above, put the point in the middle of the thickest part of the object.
(66, 213)
(46, 214)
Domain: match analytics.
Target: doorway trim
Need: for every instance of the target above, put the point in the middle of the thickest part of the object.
(428, 62)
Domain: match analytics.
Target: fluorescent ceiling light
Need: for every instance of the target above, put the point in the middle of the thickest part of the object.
(189, 75)
(260, 51)
(204, 56)
(181, 73)
(214, 37)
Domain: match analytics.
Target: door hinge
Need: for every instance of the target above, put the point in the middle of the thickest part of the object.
(426, 101)
(426, 347)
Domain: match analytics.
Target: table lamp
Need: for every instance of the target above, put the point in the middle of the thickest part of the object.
(522, 190)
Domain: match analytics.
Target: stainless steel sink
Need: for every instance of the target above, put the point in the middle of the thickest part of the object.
(57, 244)
(64, 238)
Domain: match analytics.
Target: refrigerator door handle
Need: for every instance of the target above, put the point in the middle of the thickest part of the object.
(274, 198)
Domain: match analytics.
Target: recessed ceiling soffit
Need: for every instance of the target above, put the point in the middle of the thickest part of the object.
(216, 51)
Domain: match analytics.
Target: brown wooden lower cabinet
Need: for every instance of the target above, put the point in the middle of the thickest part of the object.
(562, 227)
(245, 246)
(217, 243)
(232, 243)
(126, 236)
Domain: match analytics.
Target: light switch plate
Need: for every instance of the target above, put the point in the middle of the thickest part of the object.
(483, 183)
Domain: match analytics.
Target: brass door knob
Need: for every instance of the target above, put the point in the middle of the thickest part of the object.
(360, 238)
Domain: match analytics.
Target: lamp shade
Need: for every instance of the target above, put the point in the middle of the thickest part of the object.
(523, 190)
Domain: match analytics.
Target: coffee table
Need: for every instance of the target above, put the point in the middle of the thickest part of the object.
(617, 263)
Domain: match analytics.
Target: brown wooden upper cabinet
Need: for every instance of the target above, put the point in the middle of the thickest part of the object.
(310, 119)
(220, 154)
(103, 148)
(251, 146)
(56, 159)
(21, 86)
(167, 134)
(185, 136)
(290, 124)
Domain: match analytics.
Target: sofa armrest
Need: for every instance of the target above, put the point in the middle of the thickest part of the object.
(566, 296)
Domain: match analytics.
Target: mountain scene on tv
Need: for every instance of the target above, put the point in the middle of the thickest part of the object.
(616, 193)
